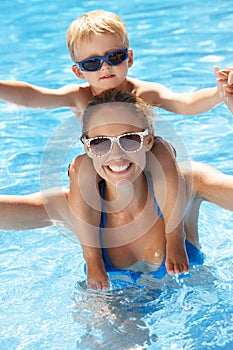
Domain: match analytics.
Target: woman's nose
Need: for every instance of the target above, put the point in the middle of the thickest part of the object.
(116, 150)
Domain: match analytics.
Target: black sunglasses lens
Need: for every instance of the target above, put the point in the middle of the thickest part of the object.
(117, 57)
(100, 146)
(131, 142)
(91, 65)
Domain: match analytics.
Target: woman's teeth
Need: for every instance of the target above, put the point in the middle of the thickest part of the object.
(118, 168)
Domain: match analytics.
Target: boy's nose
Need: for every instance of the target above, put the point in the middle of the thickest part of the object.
(105, 65)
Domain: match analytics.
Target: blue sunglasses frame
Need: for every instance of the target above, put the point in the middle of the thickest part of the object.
(100, 60)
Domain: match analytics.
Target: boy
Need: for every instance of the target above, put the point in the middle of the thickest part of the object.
(99, 46)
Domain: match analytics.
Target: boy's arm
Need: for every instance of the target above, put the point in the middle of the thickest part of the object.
(85, 207)
(32, 96)
(170, 192)
(190, 103)
(181, 103)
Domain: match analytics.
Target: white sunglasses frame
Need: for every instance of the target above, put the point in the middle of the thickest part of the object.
(113, 139)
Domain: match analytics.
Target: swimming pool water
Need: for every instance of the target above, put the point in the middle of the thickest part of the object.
(43, 300)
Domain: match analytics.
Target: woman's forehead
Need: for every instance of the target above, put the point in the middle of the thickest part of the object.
(112, 113)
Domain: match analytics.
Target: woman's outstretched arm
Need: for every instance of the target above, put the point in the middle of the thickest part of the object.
(212, 185)
(41, 209)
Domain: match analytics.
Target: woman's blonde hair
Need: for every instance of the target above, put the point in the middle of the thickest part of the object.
(142, 111)
(94, 23)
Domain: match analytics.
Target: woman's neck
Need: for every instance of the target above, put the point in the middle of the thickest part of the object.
(126, 196)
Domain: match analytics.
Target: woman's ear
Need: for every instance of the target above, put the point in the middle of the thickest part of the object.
(130, 58)
(149, 142)
(77, 72)
(87, 150)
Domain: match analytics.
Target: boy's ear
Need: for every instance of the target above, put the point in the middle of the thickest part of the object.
(130, 58)
(77, 72)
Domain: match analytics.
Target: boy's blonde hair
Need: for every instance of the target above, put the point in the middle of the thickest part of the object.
(94, 23)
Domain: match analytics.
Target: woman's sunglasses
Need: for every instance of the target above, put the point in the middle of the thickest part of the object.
(113, 58)
(102, 145)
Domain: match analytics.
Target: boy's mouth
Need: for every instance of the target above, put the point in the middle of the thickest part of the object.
(107, 76)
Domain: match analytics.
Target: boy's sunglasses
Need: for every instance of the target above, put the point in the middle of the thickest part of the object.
(102, 145)
(113, 58)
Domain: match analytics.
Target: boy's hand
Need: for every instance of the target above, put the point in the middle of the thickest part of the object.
(222, 79)
(230, 77)
(225, 85)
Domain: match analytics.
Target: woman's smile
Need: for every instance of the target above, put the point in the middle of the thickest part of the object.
(119, 169)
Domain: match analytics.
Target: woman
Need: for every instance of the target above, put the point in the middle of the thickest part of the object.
(118, 136)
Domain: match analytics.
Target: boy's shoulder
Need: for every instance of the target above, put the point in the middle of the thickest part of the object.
(76, 88)
(150, 91)
(77, 96)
